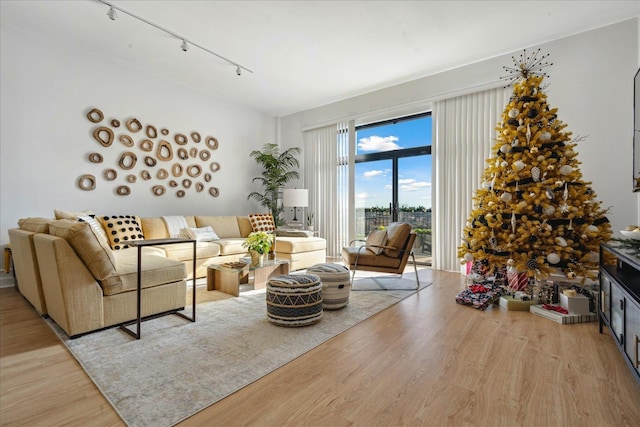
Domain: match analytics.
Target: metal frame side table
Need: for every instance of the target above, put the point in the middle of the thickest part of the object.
(155, 242)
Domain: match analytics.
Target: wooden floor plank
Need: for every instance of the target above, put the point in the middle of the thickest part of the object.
(424, 361)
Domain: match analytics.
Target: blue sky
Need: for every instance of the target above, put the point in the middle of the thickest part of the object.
(373, 179)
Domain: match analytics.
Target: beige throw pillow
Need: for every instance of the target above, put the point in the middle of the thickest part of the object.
(96, 255)
(35, 225)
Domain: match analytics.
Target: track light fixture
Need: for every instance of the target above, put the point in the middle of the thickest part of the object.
(112, 14)
(185, 44)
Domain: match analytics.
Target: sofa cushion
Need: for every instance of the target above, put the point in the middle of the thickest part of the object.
(397, 235)
(245, 226)
(122, 229)
(35, 225)
(93, 251)
(292, 232)
(156, 228)
(262, 222)
(291, 245)
(156, 270)
(226, 227)
(231, 246)
(184, 251)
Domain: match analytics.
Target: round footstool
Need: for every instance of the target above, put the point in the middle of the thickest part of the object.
(294, 300)
(336, 286)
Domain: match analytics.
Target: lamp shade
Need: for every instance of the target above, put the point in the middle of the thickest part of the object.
(295, 197)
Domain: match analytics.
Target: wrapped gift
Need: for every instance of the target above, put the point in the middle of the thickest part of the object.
(517, 281)
(575, 303)
(479, 296)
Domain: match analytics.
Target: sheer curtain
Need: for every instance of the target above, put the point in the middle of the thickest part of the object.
(464, 132)
(326, 176)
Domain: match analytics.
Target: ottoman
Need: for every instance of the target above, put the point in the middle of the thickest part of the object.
(336, 286)
(294, 300)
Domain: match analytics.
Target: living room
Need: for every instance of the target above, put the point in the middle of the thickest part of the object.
(52, 77)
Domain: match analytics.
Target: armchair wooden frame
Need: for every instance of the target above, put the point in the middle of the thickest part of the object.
(406, 251)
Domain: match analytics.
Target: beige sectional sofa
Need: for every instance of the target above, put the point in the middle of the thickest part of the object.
(67, 269)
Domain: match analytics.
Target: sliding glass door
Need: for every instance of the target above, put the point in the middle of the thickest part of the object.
(393, 178)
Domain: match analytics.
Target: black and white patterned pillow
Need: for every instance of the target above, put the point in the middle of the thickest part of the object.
(122, 229)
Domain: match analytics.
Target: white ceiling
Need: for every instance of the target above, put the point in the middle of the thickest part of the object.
(306, 53)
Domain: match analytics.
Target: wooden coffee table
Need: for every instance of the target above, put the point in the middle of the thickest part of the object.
(227, 279)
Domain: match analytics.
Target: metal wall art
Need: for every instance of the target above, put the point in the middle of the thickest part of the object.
(155, 149)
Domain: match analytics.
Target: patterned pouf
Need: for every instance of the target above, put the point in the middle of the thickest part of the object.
(294, 300)
(336, 286)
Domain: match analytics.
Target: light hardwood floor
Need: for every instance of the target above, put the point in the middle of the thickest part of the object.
(426, 361)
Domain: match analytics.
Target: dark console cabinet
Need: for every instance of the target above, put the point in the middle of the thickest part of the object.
(619, 300)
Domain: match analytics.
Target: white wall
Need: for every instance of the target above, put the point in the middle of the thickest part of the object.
(46, 90)
(591, 84)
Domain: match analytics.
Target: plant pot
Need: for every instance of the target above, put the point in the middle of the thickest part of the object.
(256, 258)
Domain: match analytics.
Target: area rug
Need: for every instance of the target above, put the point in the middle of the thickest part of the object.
(386, 284)
(179, 368)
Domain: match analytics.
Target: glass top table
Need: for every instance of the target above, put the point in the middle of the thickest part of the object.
(228, 277)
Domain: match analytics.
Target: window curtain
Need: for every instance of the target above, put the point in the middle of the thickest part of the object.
(464, 132)
(326, 176)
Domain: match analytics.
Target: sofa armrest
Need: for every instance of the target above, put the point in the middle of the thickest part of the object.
(25, 265)
(74, 298)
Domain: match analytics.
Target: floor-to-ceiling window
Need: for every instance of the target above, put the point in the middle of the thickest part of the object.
(393, 177)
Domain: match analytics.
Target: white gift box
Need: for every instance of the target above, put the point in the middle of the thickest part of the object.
(578, 304)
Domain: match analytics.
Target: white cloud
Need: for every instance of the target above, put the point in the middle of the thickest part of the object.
(413, 185)
(372, 173)
(362, 195)
(378, 143)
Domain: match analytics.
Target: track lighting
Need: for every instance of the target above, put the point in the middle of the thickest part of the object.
(184, 46)
(112, 14)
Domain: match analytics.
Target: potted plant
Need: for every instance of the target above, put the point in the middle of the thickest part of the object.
(258, 243)
(277, 171)
(310, 221)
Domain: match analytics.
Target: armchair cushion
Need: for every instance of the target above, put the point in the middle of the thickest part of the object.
(368, 258)
(397, 235)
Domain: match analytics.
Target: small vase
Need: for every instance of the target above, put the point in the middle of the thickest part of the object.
(257, 259)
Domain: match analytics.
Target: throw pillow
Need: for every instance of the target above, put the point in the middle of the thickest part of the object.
(202, 234)
(60, 214)
(35, 225)
(122, 229)
(377, 238)
(95, 224)
(97, 257)
(262, 222)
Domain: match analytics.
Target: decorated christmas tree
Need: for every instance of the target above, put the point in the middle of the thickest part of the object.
(534, 214)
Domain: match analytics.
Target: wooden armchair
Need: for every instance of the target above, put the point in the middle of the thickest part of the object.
(384, 251)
